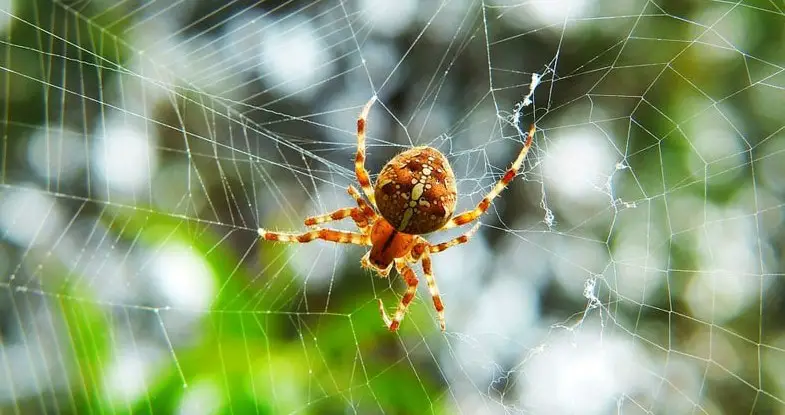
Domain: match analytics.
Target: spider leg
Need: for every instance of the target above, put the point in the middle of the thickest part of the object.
(361, 203)
(411, 289)
(485, 203)
(361, 214)
(359, 160)
(433, 288)
(456, 241)
(325, 234)
(339, 214)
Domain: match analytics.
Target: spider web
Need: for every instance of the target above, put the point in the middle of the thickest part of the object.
(632, 267)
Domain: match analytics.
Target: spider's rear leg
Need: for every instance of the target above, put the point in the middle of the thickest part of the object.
(325, 234)
(362, 215)
(355, 213)
(485, 203)
(361, 203)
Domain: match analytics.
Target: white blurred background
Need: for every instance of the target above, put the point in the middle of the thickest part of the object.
(632, 267)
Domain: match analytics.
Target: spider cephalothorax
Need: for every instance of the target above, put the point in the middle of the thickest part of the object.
(415, 194)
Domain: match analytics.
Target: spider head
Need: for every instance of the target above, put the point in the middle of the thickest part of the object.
(381, 268)
(387, 244)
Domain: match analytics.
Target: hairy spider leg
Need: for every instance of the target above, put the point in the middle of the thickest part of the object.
(362, 214)
(359, 160)
(411, 289)
(433, 288)
(355, 212)
(411, 281)
(462, 239)
(361, 203)
(325, 234)
(485, 203)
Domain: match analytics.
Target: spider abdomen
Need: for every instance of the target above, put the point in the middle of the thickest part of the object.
(416, 192)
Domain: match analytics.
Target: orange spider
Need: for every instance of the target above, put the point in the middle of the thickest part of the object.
(414, 194)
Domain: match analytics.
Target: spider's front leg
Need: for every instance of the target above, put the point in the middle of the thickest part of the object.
(421, 251)
(411, 289)
(462, 239)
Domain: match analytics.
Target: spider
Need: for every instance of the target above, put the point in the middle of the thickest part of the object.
(415, 194)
